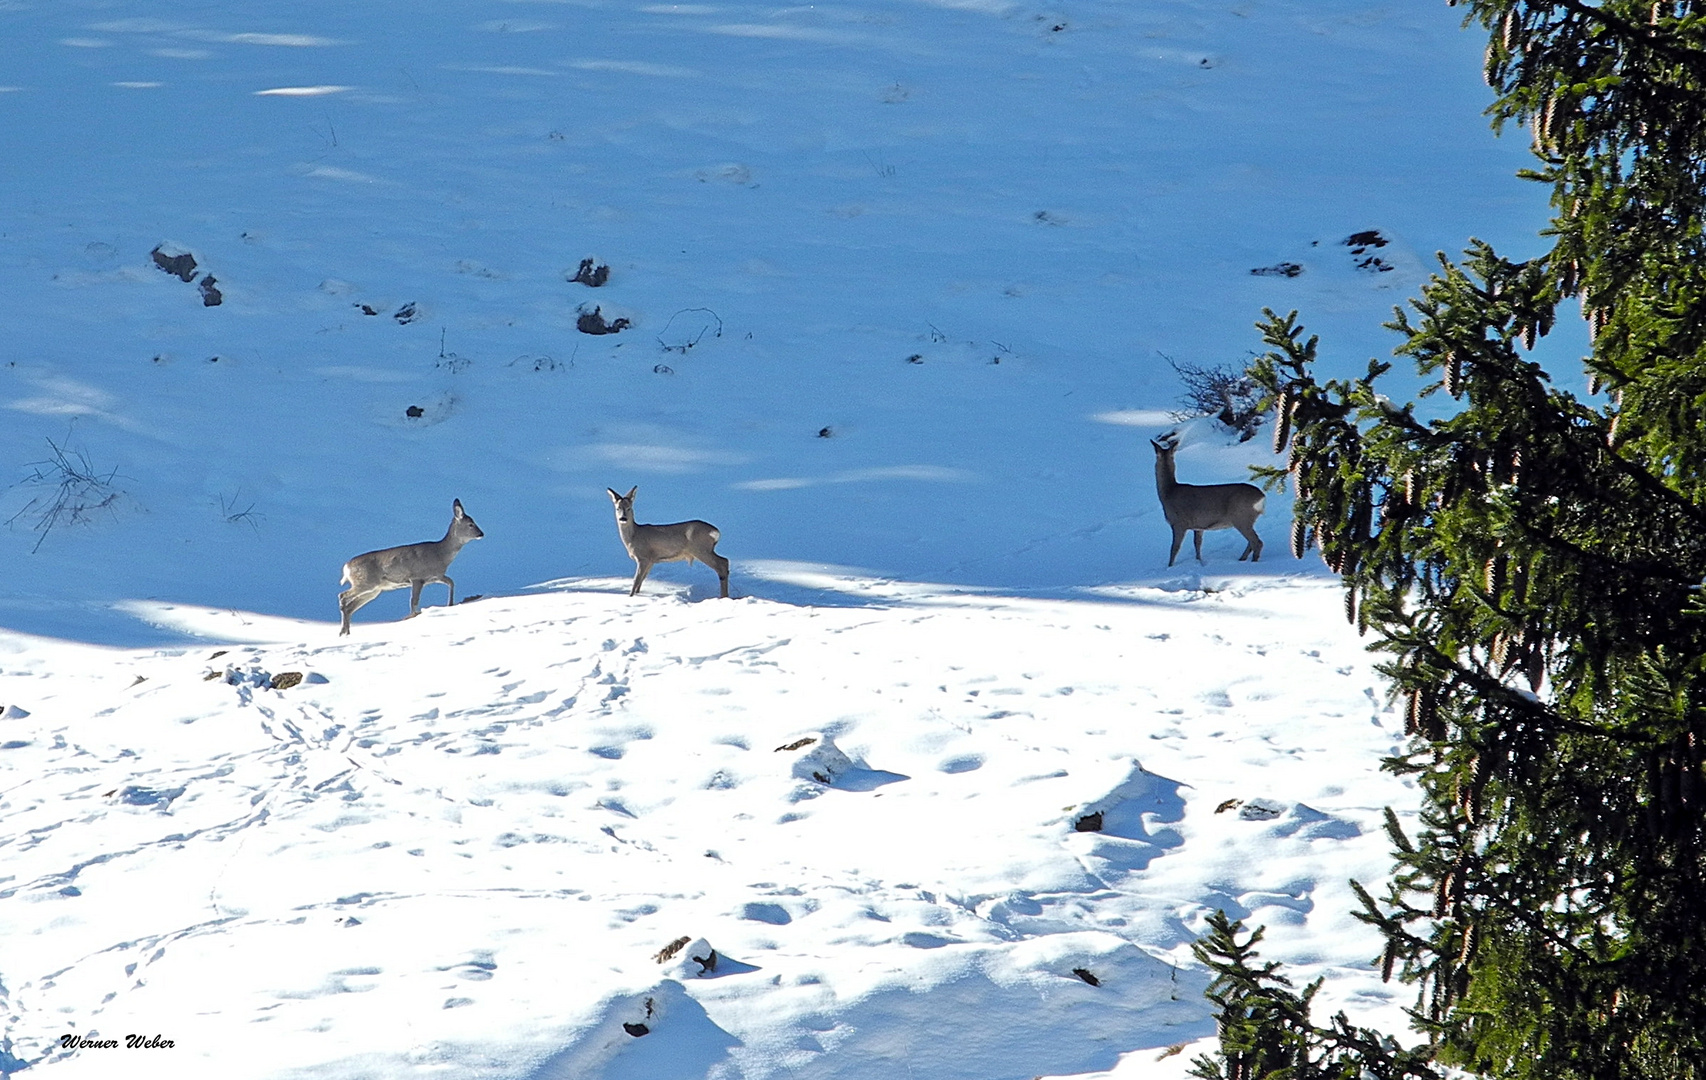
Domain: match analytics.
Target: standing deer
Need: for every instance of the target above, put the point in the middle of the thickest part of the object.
(414, 566)
(648, 545)
(1197, 508)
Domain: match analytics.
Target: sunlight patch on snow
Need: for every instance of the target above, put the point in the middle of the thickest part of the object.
(68, 397)
(649, 457)
(935, 473)
(1135, 418)
(986, 7)
(487, 69)
(789, 33)
(636, 67)
(289, 41)
(139, 85)
(144, 25)
(302, 91)
(228, 625)
(332, 172)
(854, 581)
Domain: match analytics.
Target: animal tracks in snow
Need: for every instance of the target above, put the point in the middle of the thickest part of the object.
(802, 786)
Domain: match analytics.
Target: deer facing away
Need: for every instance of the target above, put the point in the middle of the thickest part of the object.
(1197, 508)
(684, 541)
(412, 566)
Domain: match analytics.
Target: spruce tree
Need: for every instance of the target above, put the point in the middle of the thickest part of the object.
(1530, 564)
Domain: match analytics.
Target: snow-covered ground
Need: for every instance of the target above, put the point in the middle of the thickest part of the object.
(459, 843)
(902, 279)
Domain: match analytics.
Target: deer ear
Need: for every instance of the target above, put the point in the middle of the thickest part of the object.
(631, 491)
(456, 508)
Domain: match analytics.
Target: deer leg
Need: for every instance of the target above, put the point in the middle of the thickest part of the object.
(352, 601)
(415, 588)
(451, 585)
(1197, 534)
(1178, 538)
(1254, 546)
(640, 577)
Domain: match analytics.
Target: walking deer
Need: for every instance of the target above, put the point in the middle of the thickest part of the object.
(412, 566)
(1197, 508)
(648, 545)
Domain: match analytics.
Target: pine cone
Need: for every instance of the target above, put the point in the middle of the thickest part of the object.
(1282, 420)
(1495, 576)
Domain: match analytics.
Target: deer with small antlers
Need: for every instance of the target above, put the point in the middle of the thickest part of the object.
(412, 566)
(684, 541)
(1198, 508)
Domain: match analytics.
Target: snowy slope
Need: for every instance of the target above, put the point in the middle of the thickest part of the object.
(902, 281)
(843, 187)
(459, 842)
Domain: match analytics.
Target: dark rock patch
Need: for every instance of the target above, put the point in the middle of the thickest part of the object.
(210, 295)
(1360, 243)
(591, 273)
(592, 322)
(181, 264)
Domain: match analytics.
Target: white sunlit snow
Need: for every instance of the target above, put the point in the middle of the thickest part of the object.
(949, 785)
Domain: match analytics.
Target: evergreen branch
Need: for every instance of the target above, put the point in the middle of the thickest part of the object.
(1692, 59)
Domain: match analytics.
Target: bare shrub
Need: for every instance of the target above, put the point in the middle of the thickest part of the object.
(72, 491)
(699, 321)
(233, 509)
(1226, 393)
